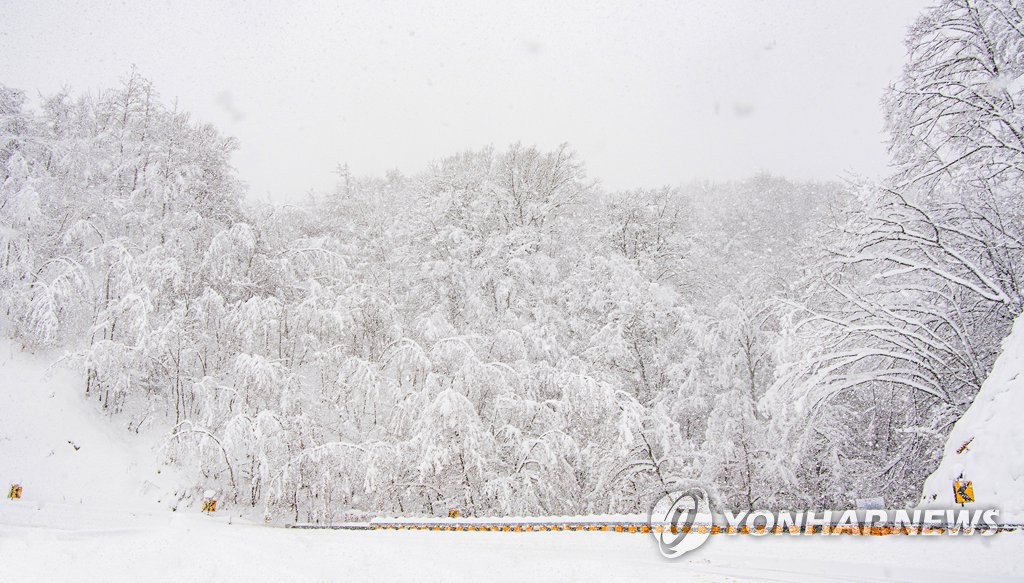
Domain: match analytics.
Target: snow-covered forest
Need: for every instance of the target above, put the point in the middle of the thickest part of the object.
(499, 333)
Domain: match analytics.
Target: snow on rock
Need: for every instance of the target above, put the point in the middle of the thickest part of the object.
(986, 445)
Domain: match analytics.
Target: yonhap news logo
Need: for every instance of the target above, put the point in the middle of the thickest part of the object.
(681, 521)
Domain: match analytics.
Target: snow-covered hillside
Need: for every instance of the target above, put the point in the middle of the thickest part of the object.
(62, 451)
(986, 445)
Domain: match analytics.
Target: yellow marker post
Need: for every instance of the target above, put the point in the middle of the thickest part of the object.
(963, 491)
(15, 493)
(453, 513)
(209, 506)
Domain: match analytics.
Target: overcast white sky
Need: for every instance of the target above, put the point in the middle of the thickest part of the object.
(649, 93)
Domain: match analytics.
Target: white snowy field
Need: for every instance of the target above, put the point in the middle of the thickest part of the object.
(43, 542)
(102, 512)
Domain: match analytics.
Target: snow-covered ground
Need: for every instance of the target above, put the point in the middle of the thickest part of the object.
(75, 546)
(63, 450)
(986, 445)
(101, 512)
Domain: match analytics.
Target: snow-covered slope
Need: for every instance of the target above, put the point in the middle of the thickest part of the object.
(62, 450)
(986, 445)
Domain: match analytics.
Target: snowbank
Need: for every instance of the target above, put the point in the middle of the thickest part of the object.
(63, 451)
(986, 445)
